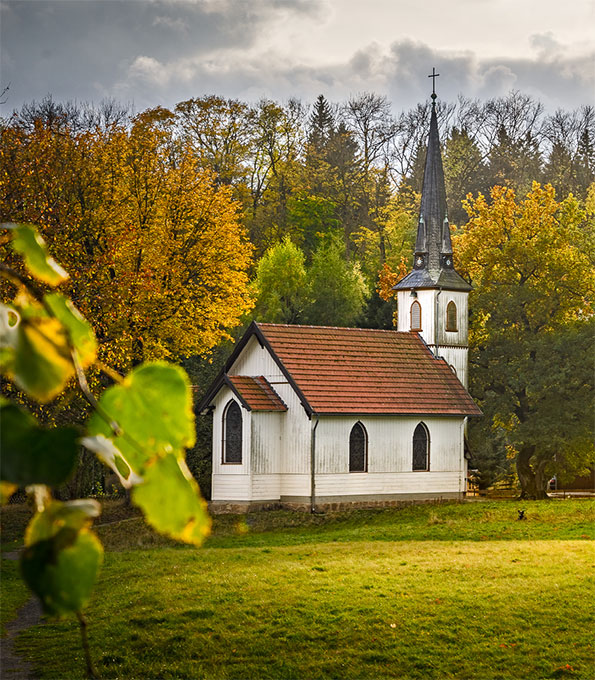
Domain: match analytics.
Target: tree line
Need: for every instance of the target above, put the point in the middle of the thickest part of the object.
(180, 225)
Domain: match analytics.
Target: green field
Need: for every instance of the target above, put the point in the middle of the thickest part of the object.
(449, 591)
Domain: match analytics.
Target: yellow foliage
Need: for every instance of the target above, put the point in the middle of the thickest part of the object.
(539, 245)
(156, 252)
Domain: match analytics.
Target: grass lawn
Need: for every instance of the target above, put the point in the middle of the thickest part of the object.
(451, 591)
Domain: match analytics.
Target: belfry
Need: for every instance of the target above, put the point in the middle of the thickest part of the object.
(432, 298)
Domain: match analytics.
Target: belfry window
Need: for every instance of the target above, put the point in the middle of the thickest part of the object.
(421, 448)
(451, 316)
(358, 449)
(232, 433)
(416, 316)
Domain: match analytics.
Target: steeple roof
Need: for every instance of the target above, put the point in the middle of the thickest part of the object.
(432, 262)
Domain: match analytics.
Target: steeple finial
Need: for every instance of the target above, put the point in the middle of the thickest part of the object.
(433, 75)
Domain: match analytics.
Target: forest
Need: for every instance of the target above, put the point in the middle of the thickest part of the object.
(180, 226)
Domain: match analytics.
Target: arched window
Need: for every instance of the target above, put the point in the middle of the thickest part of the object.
(451, 316)
(421, 448)
(416, 316)
(232, 433)
(358, 449)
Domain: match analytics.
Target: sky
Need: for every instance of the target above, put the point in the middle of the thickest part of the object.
(146, 53)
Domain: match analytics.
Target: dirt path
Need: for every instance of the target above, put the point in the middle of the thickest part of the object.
(13, 666)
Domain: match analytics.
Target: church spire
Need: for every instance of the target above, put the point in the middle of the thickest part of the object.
(432, 264)
(433, 233)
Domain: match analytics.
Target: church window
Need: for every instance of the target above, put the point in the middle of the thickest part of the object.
(451, 316)
(421, 448)
(358, 449)
(232, 433)
(416, 316)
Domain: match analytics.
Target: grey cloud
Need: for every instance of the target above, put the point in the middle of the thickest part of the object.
(559, 81)
(545, 44)
(85, 49)
(165, 51)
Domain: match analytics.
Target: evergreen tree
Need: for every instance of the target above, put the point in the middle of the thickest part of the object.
(321, 125)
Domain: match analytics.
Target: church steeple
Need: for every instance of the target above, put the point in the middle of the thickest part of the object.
(432, 298)
(433, 233)
(432, 263)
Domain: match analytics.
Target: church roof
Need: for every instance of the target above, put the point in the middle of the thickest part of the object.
(256, 393)
(447, 279)
(359, 371)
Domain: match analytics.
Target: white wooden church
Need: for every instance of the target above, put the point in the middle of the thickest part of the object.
(315, 417)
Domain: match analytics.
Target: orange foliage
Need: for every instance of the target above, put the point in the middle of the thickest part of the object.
(157, 256)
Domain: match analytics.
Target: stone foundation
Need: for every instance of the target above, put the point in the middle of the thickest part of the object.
(330, 504)
(242, 507)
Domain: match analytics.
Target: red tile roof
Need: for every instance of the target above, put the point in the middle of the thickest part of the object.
(257, 393)
(354, 370)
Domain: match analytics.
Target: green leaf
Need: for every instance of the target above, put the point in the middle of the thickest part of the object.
(61, 570)
(153, 408)
(171, 502)
(32, 454)
(27, 242)
(56, 515)
(79, 330)
(37, 355)
(62, 556)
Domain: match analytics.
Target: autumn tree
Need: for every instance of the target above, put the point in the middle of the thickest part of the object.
(219, 131)
(531, 327)
(156, 250)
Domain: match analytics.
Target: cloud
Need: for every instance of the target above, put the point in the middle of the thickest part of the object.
(77, 50)
(149, 71)
(545, 45)
(176, 25)
(160, 52)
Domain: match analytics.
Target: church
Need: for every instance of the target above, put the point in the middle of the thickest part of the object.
(315, 417)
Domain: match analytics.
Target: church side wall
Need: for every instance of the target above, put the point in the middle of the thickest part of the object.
(390, 453)
(456, 357)
(427, 300)
(452, 345)
(458, 337)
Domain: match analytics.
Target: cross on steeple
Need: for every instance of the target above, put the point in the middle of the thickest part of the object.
(433, 75)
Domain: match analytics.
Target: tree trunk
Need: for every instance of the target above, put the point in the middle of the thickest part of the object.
(541, 480)
(532, 480)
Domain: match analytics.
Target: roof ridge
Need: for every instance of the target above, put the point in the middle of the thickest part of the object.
(391, 331)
